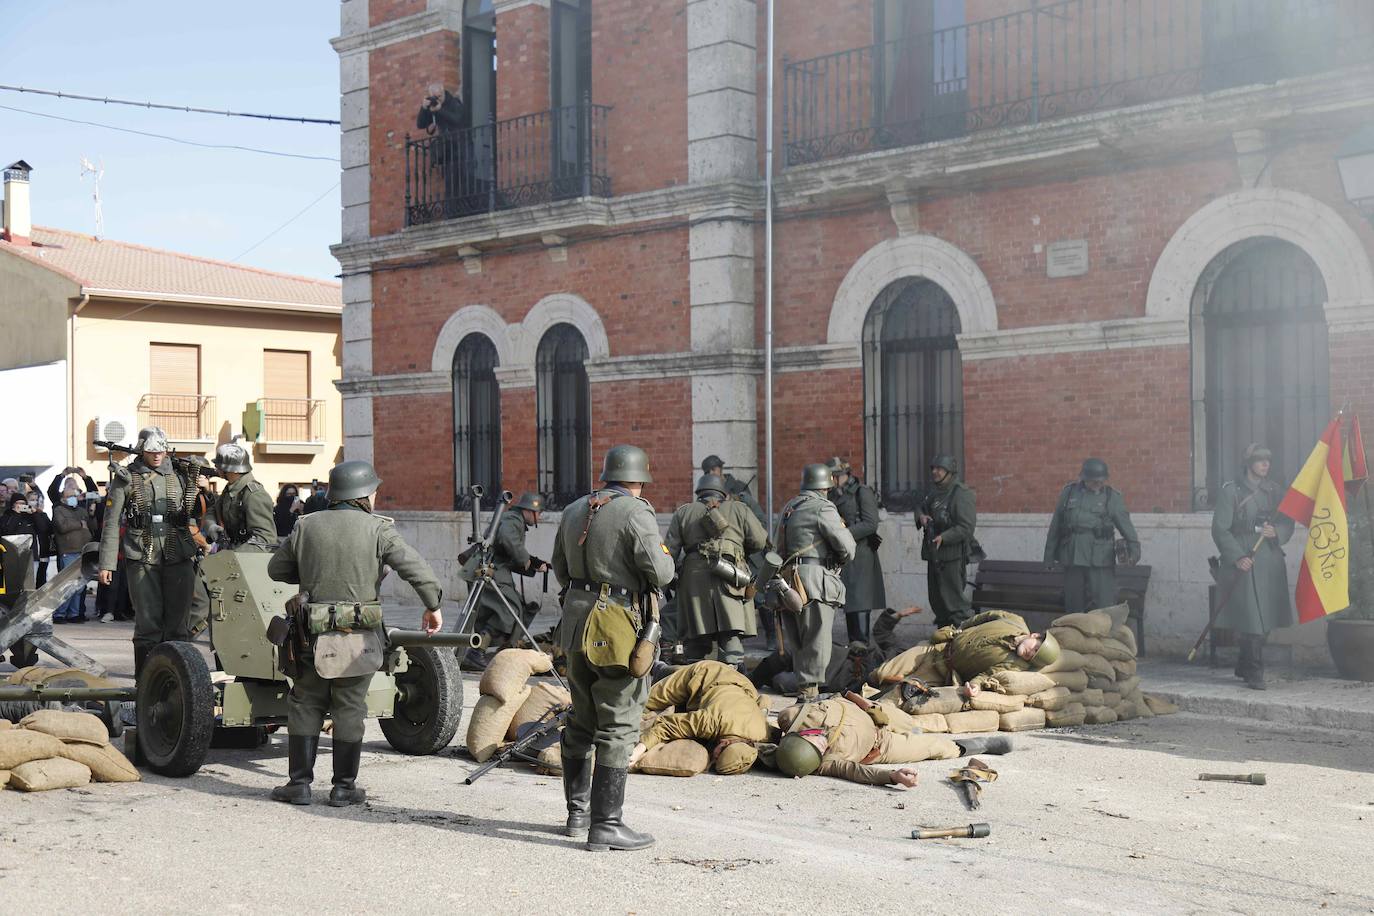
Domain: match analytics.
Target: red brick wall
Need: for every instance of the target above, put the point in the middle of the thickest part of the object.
(654, 414)
(522, 68)
(519, 440)
(816, 415)
(380, 12)
(413, 451)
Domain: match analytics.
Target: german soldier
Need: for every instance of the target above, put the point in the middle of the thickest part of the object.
(711, 538)
(1249, 531)
(244, 510)
(948, 516)
(609, 557)
(734, 487)
(155, 505)
(1081, 539)
(339, 557)
(863, 576)
(510, 556)
(815, 544)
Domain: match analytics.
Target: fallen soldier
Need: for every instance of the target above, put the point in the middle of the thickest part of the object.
(969, 655)
(717, 706)
(850, 664)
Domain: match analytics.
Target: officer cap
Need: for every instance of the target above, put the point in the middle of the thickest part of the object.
(945, 461)
(352, 480)
(736, 758)
(710, 483)
(1256, 452)
(816, 477)
(797, 756)
(232, 457)
(531, 501)
(626, 464)
(711, 461)
(1048, 653)
(1094, 469)
(152, 439)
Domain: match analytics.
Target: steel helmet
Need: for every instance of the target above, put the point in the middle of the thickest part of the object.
(626, 464)
(796, 756)
(816, 477)
(947, 462)
(1048, 653)
(534, 502)
(838, 465)
(232, 457)
(1094, 469)
(710, 483)
(152, 439)
(712, 461)
(1256, 452)
(352, 480)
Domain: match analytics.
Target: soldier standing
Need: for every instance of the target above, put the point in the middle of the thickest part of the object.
(1249, 531)
(244, 510)
(1081, 539)
(155, 504)
(948, 516)
(711, 537)
(734, 488)
(338, 557)
(609, 556)
(863, 576)
(814, 544)
(509, 556)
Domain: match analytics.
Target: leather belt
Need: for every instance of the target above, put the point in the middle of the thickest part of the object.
(595, 588)
(815, 561)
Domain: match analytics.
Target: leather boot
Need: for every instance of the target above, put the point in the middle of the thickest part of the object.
(140, 656)
(577, 789)
(1243, 660)
(347, 756)
(999, 744)
(301, 768)
(608, 831)
(1254, 676)
(856, 625)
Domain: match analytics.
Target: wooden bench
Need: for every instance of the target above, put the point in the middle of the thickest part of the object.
(1028, 587)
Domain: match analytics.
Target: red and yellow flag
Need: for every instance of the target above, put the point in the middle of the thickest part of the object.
(1355, 470)
(1317, 500)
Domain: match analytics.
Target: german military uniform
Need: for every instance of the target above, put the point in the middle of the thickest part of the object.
(864, 590)
(1082, 539)
(509, 557)
(244, 512)
(608, 555)
(953, 516)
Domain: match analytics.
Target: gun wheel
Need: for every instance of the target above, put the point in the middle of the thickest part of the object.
(429, 702)
(176, 709)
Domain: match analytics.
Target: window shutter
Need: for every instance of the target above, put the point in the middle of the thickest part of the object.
(286, 374)
(174, 369)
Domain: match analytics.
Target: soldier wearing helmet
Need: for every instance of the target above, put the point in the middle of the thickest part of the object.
(863, 576)
(1082, 539)
(244, 509)
(992, 641)
(735, 488)
(510, 557)
(608, 556)
(948, 516)
(711, 539)
(815, 545)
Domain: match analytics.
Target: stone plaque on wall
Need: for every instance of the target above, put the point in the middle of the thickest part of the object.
(1067, 259)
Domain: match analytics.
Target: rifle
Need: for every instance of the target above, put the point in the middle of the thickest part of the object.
(1237, 575)
(187, 467)
(530, 736)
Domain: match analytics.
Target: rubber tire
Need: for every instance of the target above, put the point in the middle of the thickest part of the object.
(179, 666)
(430, 729)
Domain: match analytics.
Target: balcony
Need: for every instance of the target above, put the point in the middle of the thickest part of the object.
(188, 419)
(1054, 60)
(534, 159)
(287, 426)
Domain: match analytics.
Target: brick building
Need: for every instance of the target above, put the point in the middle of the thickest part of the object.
(1022, 232)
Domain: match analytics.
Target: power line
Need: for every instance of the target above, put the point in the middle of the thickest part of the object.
(144, 133)
(186, 108)
(287, 223)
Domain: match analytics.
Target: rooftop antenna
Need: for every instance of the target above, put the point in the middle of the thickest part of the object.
(88, 169)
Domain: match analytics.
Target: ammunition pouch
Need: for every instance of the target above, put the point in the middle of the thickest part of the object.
(326, 618)
(610, 634)
(716, 521)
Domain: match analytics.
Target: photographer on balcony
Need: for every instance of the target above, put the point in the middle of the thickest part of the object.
(442, 116)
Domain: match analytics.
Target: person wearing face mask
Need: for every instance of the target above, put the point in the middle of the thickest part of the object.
(72, 528)
(43, 534)
(1081, 539)
(288, 509)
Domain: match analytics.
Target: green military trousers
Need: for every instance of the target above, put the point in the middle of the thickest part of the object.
(200, 606)
(945, 582)
(313, 697)
(606, 712)
(161, 594)
(1087, 588)
(492, 617)
(809, 642)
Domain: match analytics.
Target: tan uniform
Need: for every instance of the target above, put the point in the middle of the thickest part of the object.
(857, 742)
(715, 700)
(985, 645)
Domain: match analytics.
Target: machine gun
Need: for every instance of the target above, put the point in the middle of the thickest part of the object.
(530, 739)
(186, 466)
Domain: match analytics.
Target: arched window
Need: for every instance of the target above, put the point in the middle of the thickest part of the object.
(476, 420)
(1260, 366)
(564, 416)
(913, 388)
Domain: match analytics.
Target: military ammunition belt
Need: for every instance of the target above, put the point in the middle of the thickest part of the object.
(356, 615)
(586, 585)
(141, 520)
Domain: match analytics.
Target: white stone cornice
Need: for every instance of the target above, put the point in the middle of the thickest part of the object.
(1116, 334)
(505, 6)
(444, 19)
(401, 384)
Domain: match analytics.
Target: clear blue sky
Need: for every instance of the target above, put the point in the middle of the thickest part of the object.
(246, 56)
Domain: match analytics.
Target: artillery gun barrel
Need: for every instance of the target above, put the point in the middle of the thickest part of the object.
(396, 637)
(43, 693)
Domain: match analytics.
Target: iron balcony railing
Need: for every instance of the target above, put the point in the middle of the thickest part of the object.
(291, 419)
(1056, 59)
(533, 159)
(183, 416)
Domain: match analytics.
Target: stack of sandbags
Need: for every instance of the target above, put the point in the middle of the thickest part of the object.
(1098, 665)
(504, 690)
(52, 749)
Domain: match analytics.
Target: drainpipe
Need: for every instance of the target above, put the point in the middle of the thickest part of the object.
(768, 277)
(71, 376)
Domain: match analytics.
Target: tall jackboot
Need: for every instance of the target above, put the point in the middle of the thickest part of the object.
(347, 756)
(1243, 661)
(608, 831)
(577, 789)
(1254, 675)
(301, 750)
(140, 656)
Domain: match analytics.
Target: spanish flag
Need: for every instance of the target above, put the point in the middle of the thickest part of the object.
(1317, 499)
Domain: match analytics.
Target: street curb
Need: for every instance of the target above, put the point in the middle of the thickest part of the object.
(1276, 711)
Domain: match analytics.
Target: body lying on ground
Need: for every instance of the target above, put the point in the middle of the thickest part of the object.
(713, 703)
(991, 642)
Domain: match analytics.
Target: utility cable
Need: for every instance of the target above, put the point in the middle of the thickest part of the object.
(186, 108)
(287, 223)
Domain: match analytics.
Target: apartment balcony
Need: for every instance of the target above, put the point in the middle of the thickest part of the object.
(188, 419)
(553, 155)
(287, 426)
(1055, 60)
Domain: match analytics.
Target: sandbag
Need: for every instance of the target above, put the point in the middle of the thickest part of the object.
(19, 746)
(1111, 698)
(1142, 708)
(931, 723)
(543, 697)
(1113, 650)
(1068, 660)
(1100, 715)
(683, 757)
(1158, 705)
(490, 719)
(508, 671)
(1074, 680)
(1072, 714)
(1127, 687)
(551, 759)
(1098, 682)
(68, 726)
(1124, 669)
(106, 763)
(1054, 698)
(1090, 697)
(49, 773)
(1075, 640)
(997, 702)
(1096, 664)
(1091, 623)
(975, 720)
(58, 677)
(1022, 720)
(4, 778)
(944, 701)
(1021, 683)
(5, 723)
(1119, 614)
(1126, 636)
(1125, 711)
